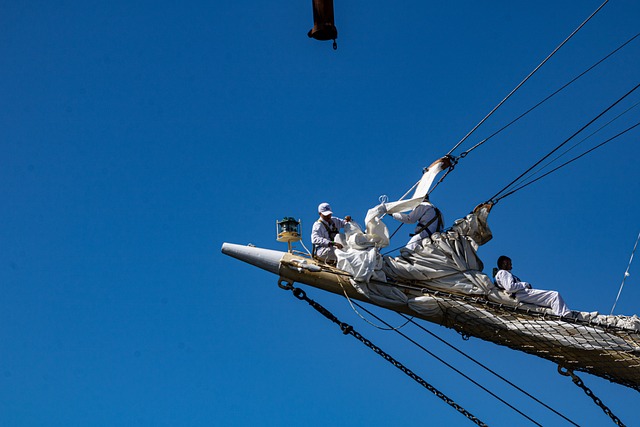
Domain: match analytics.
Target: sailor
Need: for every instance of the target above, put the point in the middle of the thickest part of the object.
(428, 219)
(324, 232)
(523, 291)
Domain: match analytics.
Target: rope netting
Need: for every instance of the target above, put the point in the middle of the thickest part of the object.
(606, 351)
(604, 346)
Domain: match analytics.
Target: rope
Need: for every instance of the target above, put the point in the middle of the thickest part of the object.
(565, 163)
(306, 249)
(626, 273)
(453, 368)
(583, 140)
(402, 198)
(464, 154)
(493, 199)
(397, 229)
(351, 303)
(527, 78)
(393, 250)
(453, 162)
(348, 330)
(489, 370)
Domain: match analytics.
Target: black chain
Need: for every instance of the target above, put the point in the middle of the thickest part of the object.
(577, 381)
(348, 330)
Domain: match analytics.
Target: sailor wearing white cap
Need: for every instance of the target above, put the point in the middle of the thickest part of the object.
(323, 234)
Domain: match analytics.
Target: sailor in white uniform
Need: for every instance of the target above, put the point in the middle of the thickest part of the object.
(523, 291)
(428, 219)
(324, 232)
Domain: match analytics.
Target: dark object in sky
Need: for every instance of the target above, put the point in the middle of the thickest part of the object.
(323, 23)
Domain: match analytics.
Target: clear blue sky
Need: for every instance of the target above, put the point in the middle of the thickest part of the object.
(137, 137)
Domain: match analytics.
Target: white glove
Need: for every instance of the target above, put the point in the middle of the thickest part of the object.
(397, 216)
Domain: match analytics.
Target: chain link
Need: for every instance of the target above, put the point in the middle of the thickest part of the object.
(348, 330)
(577, 381)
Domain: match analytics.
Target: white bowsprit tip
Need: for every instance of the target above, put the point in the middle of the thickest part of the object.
(266, 259)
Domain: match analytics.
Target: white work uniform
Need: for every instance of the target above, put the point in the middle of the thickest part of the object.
(523, 293)
(321, 239)
(422, 214)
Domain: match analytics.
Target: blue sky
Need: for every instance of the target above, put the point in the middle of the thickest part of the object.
(137, 137)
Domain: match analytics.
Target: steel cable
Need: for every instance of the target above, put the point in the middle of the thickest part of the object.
(452, 367)
(504, 189)
(489, 370)
(528, 77)
(495, 200)
(464, 154)
(581, 141)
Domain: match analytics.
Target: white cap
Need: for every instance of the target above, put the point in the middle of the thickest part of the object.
(324, 209)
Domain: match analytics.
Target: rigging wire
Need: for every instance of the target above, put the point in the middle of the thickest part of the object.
(626, 274)
(453, 368)
(566, 163)
(528, 77)
(402, 198)
(393, 250)
(348, 330)
(465, 153)
(455, 159)
(488, 369)
(493, 199)
(581, 141)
